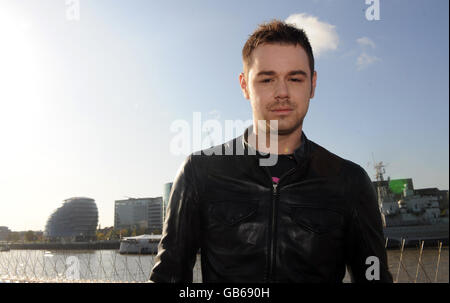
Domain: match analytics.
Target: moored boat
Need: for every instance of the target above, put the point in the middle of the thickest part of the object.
(143, 244)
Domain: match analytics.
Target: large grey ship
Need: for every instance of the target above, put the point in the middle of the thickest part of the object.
(412, 217)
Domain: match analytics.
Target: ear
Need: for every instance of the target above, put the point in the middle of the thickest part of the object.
(244, 86)
(313, 84)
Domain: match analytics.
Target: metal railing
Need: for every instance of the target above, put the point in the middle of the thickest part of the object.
(428, 266)
(77, 266)
(407, 265)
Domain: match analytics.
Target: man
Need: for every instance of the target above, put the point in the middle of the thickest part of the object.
(303, 219)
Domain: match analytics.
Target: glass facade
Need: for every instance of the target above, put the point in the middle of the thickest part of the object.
(131, 213)
(155, 214)
(75, 220)
(138, 213)
(166, 196)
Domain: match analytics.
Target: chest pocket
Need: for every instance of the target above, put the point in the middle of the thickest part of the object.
(232, 213)
(317, 219)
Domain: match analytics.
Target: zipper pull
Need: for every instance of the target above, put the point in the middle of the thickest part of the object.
(275, 185)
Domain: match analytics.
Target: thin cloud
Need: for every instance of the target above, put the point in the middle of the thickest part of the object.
(364, 60)
(322, 36)
(364, 41)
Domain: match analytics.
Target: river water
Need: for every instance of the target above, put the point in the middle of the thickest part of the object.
(110, 266)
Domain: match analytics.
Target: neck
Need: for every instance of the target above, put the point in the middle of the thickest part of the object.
(281, 144)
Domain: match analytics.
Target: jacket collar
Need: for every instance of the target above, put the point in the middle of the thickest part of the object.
(300, 153)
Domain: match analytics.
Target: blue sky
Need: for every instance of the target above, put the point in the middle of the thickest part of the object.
(87, 105)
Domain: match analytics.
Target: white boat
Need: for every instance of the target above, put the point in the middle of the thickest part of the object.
(144, 244)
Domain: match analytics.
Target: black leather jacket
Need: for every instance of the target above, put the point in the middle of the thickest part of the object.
(321, 217)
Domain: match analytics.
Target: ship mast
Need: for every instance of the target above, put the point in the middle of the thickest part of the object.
(382, 190)
(379, 169)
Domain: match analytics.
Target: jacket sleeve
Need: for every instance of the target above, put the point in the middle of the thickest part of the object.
(179, 243)
(366, 253)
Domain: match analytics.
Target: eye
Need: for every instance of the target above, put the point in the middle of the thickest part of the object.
(296, 80)
(266, 80)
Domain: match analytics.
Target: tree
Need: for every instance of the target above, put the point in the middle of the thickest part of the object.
(156, 231)
(141, 231)
(13, 236)
(110, 234)
(124, 232)
(30, 236)
(40, 237)
(100, 236)
(116, 233)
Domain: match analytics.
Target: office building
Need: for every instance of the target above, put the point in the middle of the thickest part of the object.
(139, 213)
(166, 195)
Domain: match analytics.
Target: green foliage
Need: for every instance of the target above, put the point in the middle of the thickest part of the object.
(30, 236)
(13, 237)
(156, 231)
(124, 232)
(100, 236)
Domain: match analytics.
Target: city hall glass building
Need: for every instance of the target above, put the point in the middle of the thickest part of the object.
(75, 220)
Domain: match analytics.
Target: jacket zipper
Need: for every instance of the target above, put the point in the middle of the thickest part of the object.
(273, 225)
(275, 192)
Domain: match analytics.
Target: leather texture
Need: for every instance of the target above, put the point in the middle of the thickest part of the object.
(321, 217)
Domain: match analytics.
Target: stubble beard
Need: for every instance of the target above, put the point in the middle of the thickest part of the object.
(289, 130)
(283, 131)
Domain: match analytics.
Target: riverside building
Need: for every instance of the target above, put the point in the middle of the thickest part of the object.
(136, 213)
(75, 221)
(165, 198)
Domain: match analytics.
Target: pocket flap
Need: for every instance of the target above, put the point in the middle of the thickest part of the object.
(231, 213)
(318, 220)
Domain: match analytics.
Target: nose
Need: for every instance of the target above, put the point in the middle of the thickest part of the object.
(281, 90)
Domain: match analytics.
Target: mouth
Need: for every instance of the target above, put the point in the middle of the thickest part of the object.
(281, 111)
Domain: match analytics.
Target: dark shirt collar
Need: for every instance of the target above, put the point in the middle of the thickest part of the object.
(300, 153)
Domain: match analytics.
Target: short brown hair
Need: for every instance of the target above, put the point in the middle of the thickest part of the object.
(279, 32)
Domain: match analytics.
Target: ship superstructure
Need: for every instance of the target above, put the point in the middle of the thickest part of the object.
(413, 217)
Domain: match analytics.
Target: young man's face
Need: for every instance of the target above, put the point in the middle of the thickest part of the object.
(279, 85)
